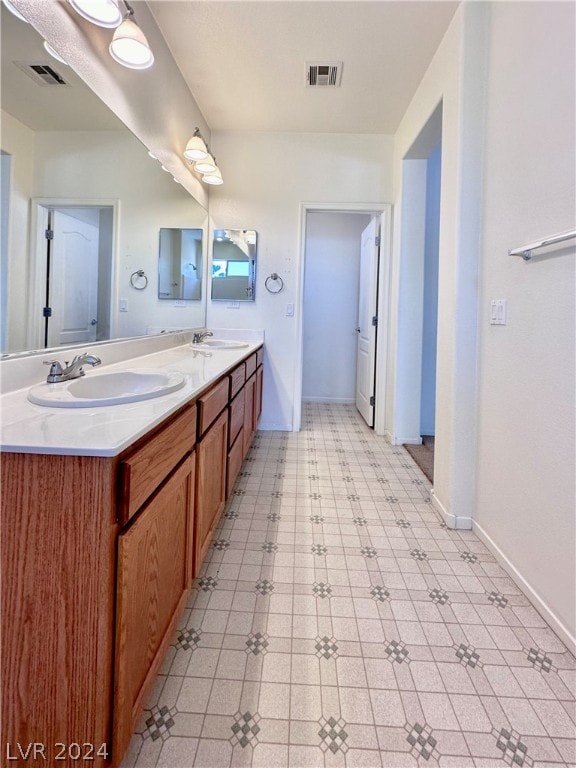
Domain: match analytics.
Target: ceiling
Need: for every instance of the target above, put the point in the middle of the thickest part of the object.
(45, 107)
(244, 63)
(244, 60)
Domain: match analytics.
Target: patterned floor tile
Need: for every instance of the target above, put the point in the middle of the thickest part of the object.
(334, 597)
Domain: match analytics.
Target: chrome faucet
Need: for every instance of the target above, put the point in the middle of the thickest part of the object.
(199, 337)
(72, 371)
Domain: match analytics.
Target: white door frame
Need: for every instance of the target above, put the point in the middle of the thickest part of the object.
(384, 210)
(37, 285)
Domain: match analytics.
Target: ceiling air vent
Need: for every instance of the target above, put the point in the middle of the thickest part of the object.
(321, 74)
(42, 74)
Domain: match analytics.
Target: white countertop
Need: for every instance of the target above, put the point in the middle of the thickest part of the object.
(108, 430)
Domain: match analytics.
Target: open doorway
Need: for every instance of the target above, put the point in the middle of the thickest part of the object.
(330, 308)
(329, 293)
(73, 256)
(418, 305)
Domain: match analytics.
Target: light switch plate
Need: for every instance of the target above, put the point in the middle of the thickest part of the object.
(498, 311)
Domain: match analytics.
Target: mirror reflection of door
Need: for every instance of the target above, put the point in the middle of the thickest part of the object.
(78, 258)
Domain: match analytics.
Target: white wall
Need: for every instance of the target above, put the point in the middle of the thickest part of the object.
(18, 141)
(114, 165)
(455, 78)
(525, 500)
(430, 309)
(330, 312)
(267, 177)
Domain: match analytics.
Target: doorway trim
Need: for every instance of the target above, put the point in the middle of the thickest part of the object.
(384, 210)
(38, 217)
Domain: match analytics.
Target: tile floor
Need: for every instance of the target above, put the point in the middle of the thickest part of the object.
(337, 623)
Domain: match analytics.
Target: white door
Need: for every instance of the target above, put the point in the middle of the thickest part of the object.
(366, 329)
(73, 281)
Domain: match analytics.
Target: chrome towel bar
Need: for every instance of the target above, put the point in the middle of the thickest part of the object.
(526, 250)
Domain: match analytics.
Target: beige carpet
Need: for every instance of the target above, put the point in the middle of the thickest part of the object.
(423, 455)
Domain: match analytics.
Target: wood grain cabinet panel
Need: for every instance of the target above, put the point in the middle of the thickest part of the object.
(211, 404)
(259, 386)
(250, 365)
(235, 457)
(211, 454)
(237, 379)
(57, 561)
(236, 417)
(143, 470)
(154, 575)
(249, 413)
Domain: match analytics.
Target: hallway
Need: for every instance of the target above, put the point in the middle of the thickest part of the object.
(338, 622)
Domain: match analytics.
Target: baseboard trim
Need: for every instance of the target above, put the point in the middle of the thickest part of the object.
(336, 400)
(272, 426)
(454, 522)
(395, 440)
(541, 606)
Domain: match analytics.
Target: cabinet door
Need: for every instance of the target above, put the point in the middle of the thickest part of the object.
(154, 574)
(249, 413)
(211, 484)
(259, 385)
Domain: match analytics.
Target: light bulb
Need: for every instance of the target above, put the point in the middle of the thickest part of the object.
(214, 178)
(130, 48)
(104, 13)
(196, 149)
(205, 166)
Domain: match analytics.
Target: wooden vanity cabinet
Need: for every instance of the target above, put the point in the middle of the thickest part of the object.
(211, 454)
(153, 578)
(97, 556)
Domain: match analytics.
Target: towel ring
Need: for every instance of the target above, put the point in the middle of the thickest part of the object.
(138, 280)
(276, 283)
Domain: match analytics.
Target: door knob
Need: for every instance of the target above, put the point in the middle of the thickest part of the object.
(94, 322)
(357, 330)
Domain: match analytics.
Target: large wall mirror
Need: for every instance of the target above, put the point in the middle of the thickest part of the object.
(234, 264)
(70, 165)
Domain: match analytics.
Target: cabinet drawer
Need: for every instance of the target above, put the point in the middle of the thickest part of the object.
(145, 469)
(259, 356)
(250, 365)
(237, 379)
(211, 404)
(236, 417)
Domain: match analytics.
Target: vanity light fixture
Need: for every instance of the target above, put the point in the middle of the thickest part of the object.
(8, 5)
(104, 13)
(198, 154)
(196, 148)
(129, 46)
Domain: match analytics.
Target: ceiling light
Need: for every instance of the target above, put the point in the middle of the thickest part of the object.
(196, 148)
(53, 53)
(104, 13)
(129, 46)
(214, 178)
(205, 166)
(13, 10)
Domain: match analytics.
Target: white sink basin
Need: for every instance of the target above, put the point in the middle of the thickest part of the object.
(106, 389)
(219, 344)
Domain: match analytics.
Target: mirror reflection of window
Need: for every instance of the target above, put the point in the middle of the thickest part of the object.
(180, 264)
(234, 264)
